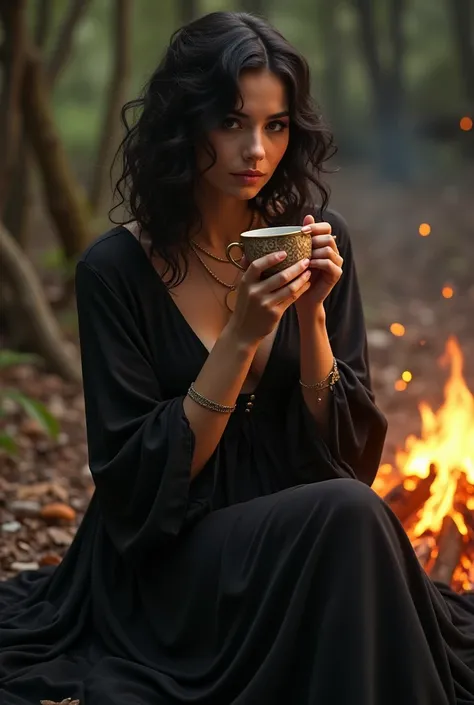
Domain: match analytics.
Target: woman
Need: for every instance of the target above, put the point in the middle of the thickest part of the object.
(233, 551)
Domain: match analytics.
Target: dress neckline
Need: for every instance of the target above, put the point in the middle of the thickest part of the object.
(188, 326)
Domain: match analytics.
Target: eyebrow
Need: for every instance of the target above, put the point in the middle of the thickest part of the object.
(275, 116)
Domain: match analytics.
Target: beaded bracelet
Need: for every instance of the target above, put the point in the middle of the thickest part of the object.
(208, 403)
(328, 382)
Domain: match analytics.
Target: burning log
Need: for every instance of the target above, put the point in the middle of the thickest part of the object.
(467, 515)
(450, 548)
(424, 548)
(404, 503)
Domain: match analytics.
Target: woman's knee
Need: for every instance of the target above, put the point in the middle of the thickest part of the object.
(344, 496)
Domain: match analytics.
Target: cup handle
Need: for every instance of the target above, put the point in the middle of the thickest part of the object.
(229, 256)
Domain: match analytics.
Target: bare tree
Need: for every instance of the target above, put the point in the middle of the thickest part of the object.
(44, 334)
(63, 46)
(462, 20)
(122, 13)
(332, 76)
(66, 200)
(387, 84)
(13, 19)
(43, 22)
(17, 209)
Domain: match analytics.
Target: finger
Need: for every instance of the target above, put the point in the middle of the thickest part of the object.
(327, 253)
(326, 265)
(308, 220)
(244, 262)
(324, 241)
(258, 266)
(317, 228)
(291, 292)
(280, 279)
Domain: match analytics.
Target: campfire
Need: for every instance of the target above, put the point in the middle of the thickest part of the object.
(431, 487)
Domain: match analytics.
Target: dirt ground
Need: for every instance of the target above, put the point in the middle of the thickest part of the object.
(45, 489)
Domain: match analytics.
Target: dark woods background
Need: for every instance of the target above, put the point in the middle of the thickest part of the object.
(395, 80)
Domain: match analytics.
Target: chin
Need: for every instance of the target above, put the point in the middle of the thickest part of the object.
(246, 193)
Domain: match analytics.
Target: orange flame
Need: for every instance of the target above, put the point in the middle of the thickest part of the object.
(447, 441)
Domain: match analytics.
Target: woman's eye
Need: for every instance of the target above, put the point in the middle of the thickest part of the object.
(230, 123)
(277, 126)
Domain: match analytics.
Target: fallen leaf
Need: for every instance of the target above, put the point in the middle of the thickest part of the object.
(59, 536)
(57, 511)
(50, 559)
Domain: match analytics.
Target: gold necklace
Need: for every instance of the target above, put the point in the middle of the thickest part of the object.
(197, 246)
(211, 254)
(231, 296)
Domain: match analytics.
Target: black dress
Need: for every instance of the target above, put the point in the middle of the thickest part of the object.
(277, 577)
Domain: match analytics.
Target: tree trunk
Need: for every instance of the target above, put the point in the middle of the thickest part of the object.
(17, 209)
(44, 332)
(14, 23)
(387, 87)
(333, 70)
(65, 198)
(62, 49)
(116, 98)
(43, 22)
(462, 19)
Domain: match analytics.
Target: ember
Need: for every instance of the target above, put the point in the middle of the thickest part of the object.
(431, 489)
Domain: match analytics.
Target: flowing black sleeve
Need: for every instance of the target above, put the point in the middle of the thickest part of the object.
(140, 444)
(357, 428)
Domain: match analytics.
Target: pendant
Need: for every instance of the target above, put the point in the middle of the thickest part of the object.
(230, 299)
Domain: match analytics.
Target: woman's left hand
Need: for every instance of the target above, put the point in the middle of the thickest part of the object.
(326, 265)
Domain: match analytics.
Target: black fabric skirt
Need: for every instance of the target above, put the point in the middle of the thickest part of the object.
(309, 596)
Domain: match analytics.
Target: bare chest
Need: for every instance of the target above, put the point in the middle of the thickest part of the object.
(201, 301)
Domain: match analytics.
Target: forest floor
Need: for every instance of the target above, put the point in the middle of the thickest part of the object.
(46, 487)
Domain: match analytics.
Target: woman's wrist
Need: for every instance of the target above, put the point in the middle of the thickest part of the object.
(234, 340)
(312, 320)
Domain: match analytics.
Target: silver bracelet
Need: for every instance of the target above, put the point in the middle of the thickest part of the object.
(208, 403)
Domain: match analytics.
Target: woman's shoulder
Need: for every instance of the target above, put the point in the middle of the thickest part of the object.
(109, 249)
(117, 258)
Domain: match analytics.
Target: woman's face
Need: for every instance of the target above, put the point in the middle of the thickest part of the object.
(252, 139)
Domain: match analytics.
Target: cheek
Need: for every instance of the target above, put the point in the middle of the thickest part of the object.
(276, 150)
(224, 151)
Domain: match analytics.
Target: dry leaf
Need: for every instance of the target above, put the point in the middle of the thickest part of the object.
(59, 536)
(50, 559)
(57, 511)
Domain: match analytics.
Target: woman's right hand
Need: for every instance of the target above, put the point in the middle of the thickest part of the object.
(261, 302)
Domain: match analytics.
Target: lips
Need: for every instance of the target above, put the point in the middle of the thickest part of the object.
(249, 173)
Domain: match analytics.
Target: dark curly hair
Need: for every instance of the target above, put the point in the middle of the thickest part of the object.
(190, 93)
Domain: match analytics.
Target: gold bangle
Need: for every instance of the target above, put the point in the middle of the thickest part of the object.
(208, 403)
(328, 382)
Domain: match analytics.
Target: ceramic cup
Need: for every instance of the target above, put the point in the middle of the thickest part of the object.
(257, 243)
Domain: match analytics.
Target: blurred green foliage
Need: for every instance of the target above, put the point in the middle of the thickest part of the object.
(432, 84)
(33, 408)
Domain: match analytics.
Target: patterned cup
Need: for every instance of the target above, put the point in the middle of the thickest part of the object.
(257, 243)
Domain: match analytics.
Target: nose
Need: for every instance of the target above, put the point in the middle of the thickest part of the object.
(255, 150)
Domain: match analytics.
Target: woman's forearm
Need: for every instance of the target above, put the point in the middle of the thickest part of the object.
(316, 360)
(220, 380)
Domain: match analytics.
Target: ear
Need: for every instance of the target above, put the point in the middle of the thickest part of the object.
(308, 220)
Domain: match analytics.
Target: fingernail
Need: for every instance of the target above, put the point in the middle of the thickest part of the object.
(281, 255)
(305, 262)
(306, 229)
